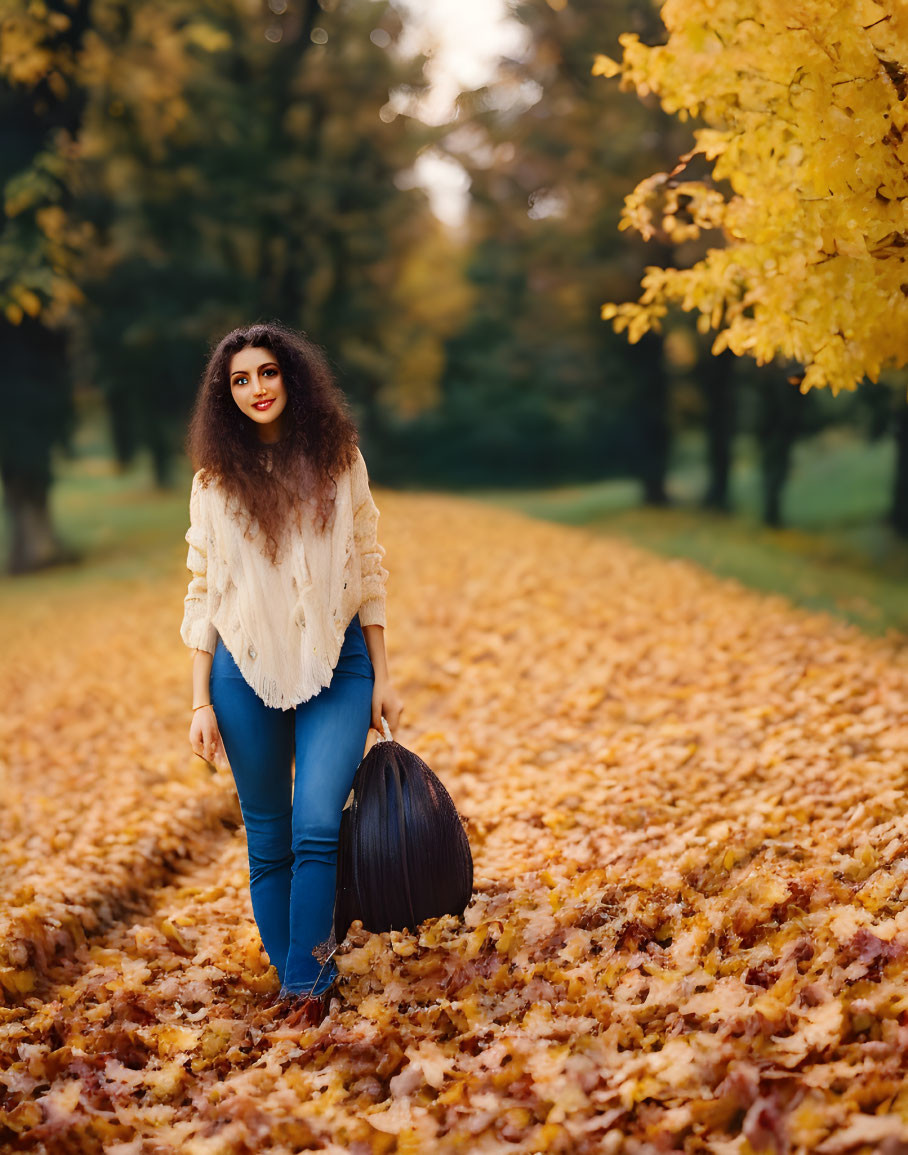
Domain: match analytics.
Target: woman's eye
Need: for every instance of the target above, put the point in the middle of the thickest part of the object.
(270, 372)
(240, 381)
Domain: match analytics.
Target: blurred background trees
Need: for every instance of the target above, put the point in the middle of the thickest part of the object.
(173, 168)
(41, 105)
(797, 164)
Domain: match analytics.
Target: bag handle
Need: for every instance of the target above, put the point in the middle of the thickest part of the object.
(387, 730)
(386, 738)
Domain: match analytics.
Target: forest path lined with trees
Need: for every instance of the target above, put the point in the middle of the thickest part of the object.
(686, 803)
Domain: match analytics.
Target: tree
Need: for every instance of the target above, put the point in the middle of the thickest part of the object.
(804, 118)
(898, 511)
(240, 162)
(717, 381)
(41, 105)
(171, 168)
(546, 192)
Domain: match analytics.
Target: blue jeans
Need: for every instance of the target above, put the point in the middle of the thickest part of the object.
(292, 841)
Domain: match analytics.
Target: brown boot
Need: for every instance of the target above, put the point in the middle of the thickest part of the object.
(307, 1009)
(304, 1011)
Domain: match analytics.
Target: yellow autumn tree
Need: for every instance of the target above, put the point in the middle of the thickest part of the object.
(804, 114)
(432, 296)
(37, 80)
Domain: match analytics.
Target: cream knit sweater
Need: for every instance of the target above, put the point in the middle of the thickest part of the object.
(284, 624)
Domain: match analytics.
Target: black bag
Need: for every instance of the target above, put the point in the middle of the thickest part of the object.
(403, 853)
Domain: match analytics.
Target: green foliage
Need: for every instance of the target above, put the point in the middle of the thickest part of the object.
(221, 163)
(237, 174)
(548, 152)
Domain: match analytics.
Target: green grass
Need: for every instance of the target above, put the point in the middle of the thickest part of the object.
(123, 528)
(837, 555)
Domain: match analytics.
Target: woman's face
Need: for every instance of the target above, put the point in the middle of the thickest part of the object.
(255, 377)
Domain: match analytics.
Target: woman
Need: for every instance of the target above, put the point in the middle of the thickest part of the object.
(285, 613)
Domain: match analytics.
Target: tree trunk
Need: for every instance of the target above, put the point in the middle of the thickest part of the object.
(781, 406)
(898, 514)
(35, 390)
(33, 542)
(652, 392)
(717, 380)
(39, 413)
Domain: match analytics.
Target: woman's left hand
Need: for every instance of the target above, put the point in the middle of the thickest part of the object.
(387, 701)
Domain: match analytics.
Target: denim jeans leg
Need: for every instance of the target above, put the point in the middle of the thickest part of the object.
(331, 732)
(258, 742)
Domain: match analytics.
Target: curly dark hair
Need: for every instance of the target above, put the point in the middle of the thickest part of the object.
(319, 444)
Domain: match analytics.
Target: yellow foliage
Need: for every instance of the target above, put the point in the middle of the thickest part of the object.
(38, 270)
(433, 297)
(207, 36)
(804, 115)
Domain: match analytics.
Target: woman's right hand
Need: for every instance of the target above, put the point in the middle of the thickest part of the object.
(204, 736)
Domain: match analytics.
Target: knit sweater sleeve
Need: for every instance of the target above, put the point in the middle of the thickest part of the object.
(197, 631)
(365, 531)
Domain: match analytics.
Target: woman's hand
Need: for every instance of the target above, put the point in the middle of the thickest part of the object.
(385, 700)
(204, 735)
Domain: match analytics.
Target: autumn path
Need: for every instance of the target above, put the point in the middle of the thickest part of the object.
(687, 810)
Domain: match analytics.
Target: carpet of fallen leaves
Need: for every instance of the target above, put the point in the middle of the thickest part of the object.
(689, 930)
